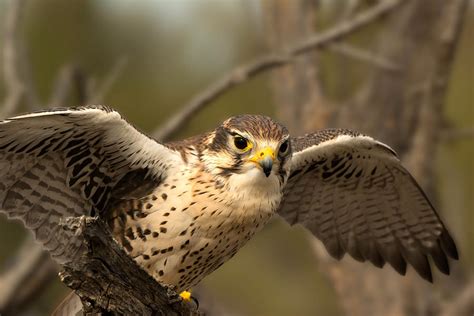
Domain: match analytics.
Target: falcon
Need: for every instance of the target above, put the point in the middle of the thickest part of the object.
(182, 209)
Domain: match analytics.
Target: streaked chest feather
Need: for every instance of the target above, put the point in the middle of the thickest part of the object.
(192, 223)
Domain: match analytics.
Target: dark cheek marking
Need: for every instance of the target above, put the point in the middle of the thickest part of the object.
(235, 168)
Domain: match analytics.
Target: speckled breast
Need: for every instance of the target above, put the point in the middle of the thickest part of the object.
(187, 229)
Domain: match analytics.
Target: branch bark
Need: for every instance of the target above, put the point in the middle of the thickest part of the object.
(108, 281)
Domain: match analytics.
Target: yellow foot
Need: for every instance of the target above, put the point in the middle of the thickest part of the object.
(186, 296)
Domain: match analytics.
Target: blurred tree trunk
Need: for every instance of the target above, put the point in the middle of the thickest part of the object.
(402, 108)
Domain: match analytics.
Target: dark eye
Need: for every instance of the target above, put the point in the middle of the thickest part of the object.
(240, 142)
(283, 148)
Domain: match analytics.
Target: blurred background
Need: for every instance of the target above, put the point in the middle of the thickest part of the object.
(148, 58)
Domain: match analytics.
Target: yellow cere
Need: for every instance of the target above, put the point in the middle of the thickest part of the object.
(185, 295)
(262, 154)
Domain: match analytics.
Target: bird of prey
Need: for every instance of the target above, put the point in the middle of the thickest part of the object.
(182, 209)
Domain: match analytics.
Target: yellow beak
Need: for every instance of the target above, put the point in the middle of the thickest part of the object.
(264, 158)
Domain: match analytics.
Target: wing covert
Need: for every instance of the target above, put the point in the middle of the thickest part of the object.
(352, 192)
(68, 162)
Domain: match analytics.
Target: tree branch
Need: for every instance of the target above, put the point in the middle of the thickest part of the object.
(243, 73)
(363, 56)
(346, 27)
(108, 281)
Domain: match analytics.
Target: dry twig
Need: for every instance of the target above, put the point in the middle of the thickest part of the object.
(241, 74)
(364, 56)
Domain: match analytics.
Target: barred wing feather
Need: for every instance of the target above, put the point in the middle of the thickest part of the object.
(67, 162)
(352, 192)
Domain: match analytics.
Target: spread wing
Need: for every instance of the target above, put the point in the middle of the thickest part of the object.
(352, 192)
(71, 162)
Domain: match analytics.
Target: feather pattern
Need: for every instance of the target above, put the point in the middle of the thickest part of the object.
(167, 203)
(67, 162)
(352, 192)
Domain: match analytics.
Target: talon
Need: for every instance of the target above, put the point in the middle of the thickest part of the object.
(186, 296)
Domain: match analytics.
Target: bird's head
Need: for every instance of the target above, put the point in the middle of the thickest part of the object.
(250, 146)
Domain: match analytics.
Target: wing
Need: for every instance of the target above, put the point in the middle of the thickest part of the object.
(70, 162)
(352, 192)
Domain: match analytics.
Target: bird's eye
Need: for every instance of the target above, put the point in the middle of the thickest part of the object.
(241, 143)
(283, 148)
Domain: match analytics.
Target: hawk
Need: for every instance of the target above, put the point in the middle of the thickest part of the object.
(182, 209)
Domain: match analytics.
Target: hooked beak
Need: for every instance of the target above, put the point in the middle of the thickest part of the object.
(265, 159)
